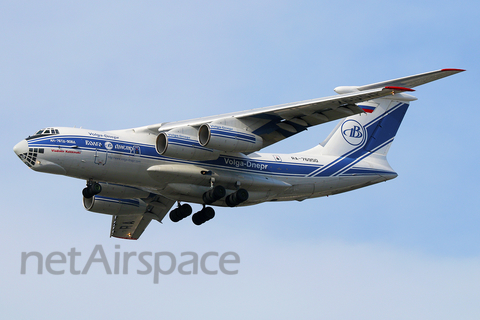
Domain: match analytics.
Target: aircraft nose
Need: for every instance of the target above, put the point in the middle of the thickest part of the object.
(21, 147)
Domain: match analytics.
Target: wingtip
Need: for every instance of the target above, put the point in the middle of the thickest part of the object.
(126, 238)
(451, 69)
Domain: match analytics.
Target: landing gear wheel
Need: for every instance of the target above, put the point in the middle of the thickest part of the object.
(203, 216)
(208, 213)
(91, 189)
(95, 188)
(214, 194)
(86, 193)
(234, 199)
(180, 213)
(174, 216)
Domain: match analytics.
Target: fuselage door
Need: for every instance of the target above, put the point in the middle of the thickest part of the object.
(100, 157)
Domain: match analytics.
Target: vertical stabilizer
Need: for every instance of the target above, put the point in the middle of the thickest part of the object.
(371, 132)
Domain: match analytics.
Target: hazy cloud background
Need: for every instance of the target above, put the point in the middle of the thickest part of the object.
(409, 248)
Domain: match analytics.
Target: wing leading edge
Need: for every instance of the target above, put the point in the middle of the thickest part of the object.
(415, 80)
(276, 123)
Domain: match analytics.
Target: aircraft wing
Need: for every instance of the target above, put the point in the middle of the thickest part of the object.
(276, 123)
(415, 80)
(131, 226)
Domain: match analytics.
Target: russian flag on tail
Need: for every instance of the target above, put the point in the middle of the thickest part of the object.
(367, 109)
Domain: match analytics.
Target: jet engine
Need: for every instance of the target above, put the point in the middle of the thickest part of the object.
(114, 206)
(228, 139)
(182, 144)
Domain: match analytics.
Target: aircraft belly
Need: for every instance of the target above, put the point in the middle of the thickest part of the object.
(179, 173)
(334, 185)
(128, 170)
(194, 194)
(202, 176)
(299, 191)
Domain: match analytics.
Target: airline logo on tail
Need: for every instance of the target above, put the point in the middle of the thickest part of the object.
(353, 132)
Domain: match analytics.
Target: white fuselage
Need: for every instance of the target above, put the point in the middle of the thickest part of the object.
(130, 158)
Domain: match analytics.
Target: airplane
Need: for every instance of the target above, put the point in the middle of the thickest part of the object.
(137, 175)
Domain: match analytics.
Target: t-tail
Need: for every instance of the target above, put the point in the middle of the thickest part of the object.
(368, 136)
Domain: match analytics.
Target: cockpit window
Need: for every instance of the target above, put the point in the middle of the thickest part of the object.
(44, 132)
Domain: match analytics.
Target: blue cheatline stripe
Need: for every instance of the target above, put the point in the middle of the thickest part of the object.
(233, 135)
(130, 202)
(267, 167)
(348, 162)
(325, 167)
(56, 141)
(386, 128)
(353, 156)
(355, 161)
(337, 167)
(364, 172)
(187, 143)
(274, 168)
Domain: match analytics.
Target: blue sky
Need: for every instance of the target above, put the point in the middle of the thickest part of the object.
(408, 248)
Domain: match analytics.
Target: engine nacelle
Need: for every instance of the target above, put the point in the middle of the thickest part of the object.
(181, 145)
(228, 139)
(112, 190)
(114, 206)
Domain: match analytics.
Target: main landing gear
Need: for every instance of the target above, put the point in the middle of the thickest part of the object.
(202, 216)
(198, 218)
(181, 212)
(207, 213)
(92, 189)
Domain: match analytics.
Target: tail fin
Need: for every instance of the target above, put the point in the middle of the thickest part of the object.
(368, 133)
(371, 133)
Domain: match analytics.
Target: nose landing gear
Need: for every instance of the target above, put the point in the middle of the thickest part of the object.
(92, 189)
